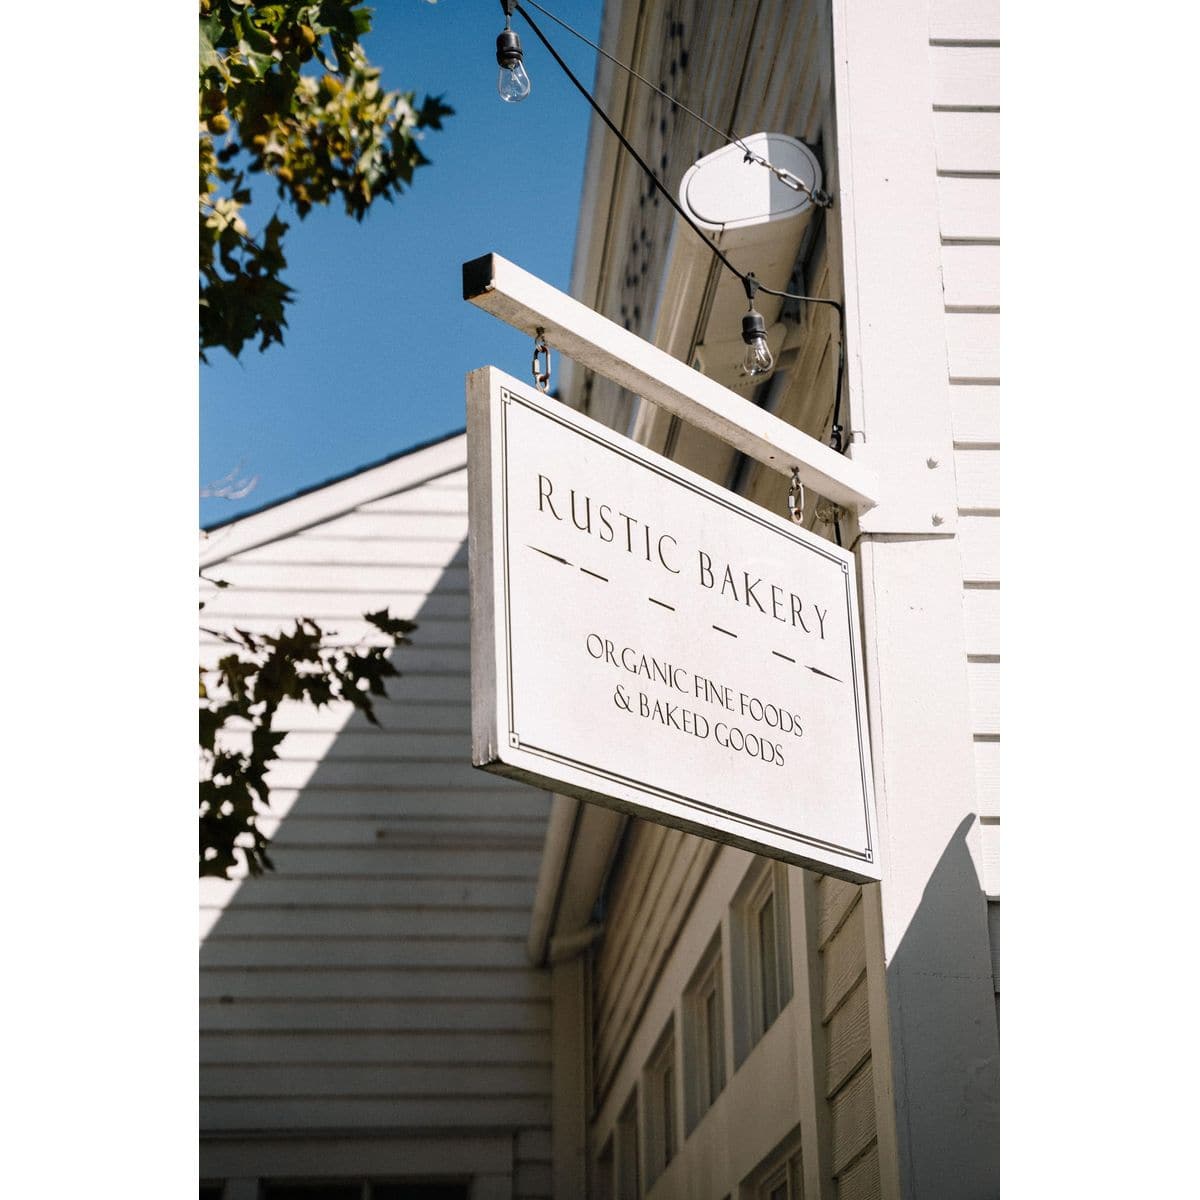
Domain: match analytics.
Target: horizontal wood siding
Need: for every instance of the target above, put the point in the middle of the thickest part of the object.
(657, 878)
(964, 54)
(849, 1090)
(377, 979)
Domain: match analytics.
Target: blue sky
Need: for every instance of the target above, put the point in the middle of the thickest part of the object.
(379, 337)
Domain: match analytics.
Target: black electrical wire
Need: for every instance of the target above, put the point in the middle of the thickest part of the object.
(727, 134)
(748, 280)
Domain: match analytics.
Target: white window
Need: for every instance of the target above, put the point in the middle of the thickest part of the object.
(777, 1178)
(762, 953)
(784, 1183)
(704, 1035)
(662, 1110)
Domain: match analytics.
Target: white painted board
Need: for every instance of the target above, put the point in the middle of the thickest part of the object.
(647, 640)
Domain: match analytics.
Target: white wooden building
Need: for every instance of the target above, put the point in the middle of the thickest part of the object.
(739, 1028)
(452, 977)
(368, 1015)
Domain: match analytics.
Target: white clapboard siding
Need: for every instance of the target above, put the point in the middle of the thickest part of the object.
(316, 551)
(968, 207)
(844, 1013)
(971, 276)
(967, 142)
(853, 1111)
(989, 857)
(377, 979)
(965, 76)
(987, 777)
(977, 472)
(964, 20)
(979, 540)
(965, 72)
(981, 620)
(973, 345)
(983, 680)
(975, 411)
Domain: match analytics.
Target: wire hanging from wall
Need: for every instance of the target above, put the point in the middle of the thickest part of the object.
(747, 278)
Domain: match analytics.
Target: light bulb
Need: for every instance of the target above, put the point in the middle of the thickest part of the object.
(513, 83)
(513, 80)
(758, 359)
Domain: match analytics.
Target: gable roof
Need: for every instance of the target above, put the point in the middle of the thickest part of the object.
(324, 501)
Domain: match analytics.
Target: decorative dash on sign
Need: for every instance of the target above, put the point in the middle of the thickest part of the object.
(594, 575)
(826, 674)
(724, 631)
(788, 657)
(556, 557)
(660, 603)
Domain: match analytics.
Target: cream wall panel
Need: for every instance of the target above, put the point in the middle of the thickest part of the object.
(848, 1038)
(322, 605)
(977, 474)
(964, 20)
(968, 207)
(861, 1180)
(989, 858)
(981, 620)
(975, 410)
(971, 276)
(967, 142)
(401, 1113)
(325, 954)
(965, 76)
(987, 778)
(416, 1079)
(316, 552)
(462, 1047)
(836, 898)
(333, 922)
(272, 891)
(488, 795)
(351, 580)
(391, 1016)
(391, 526)
(844, 961)
(973, 345)
(979, 541)
(984, 681)
(853, 1119)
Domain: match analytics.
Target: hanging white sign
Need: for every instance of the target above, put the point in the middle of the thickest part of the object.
(649, 641)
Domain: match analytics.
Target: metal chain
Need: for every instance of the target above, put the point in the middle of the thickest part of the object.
(796, 498)
(541, 350)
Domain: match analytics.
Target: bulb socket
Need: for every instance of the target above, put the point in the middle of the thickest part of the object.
(508, 49)
(753, 327)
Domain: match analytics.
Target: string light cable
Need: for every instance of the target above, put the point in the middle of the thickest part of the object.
(819, 197)
(748, 280)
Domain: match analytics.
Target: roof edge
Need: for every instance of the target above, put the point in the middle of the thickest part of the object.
(325, 501)
(316, 487)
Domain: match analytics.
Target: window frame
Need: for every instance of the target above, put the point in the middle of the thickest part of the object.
(763, 975)
(660, 1103)
(702, 1028)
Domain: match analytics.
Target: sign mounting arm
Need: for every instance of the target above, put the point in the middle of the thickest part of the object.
(525, 302)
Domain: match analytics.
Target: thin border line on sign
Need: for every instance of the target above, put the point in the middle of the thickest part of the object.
(789, 533)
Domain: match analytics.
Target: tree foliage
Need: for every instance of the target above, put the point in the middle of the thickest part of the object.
(239, 701)
(287, 91)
